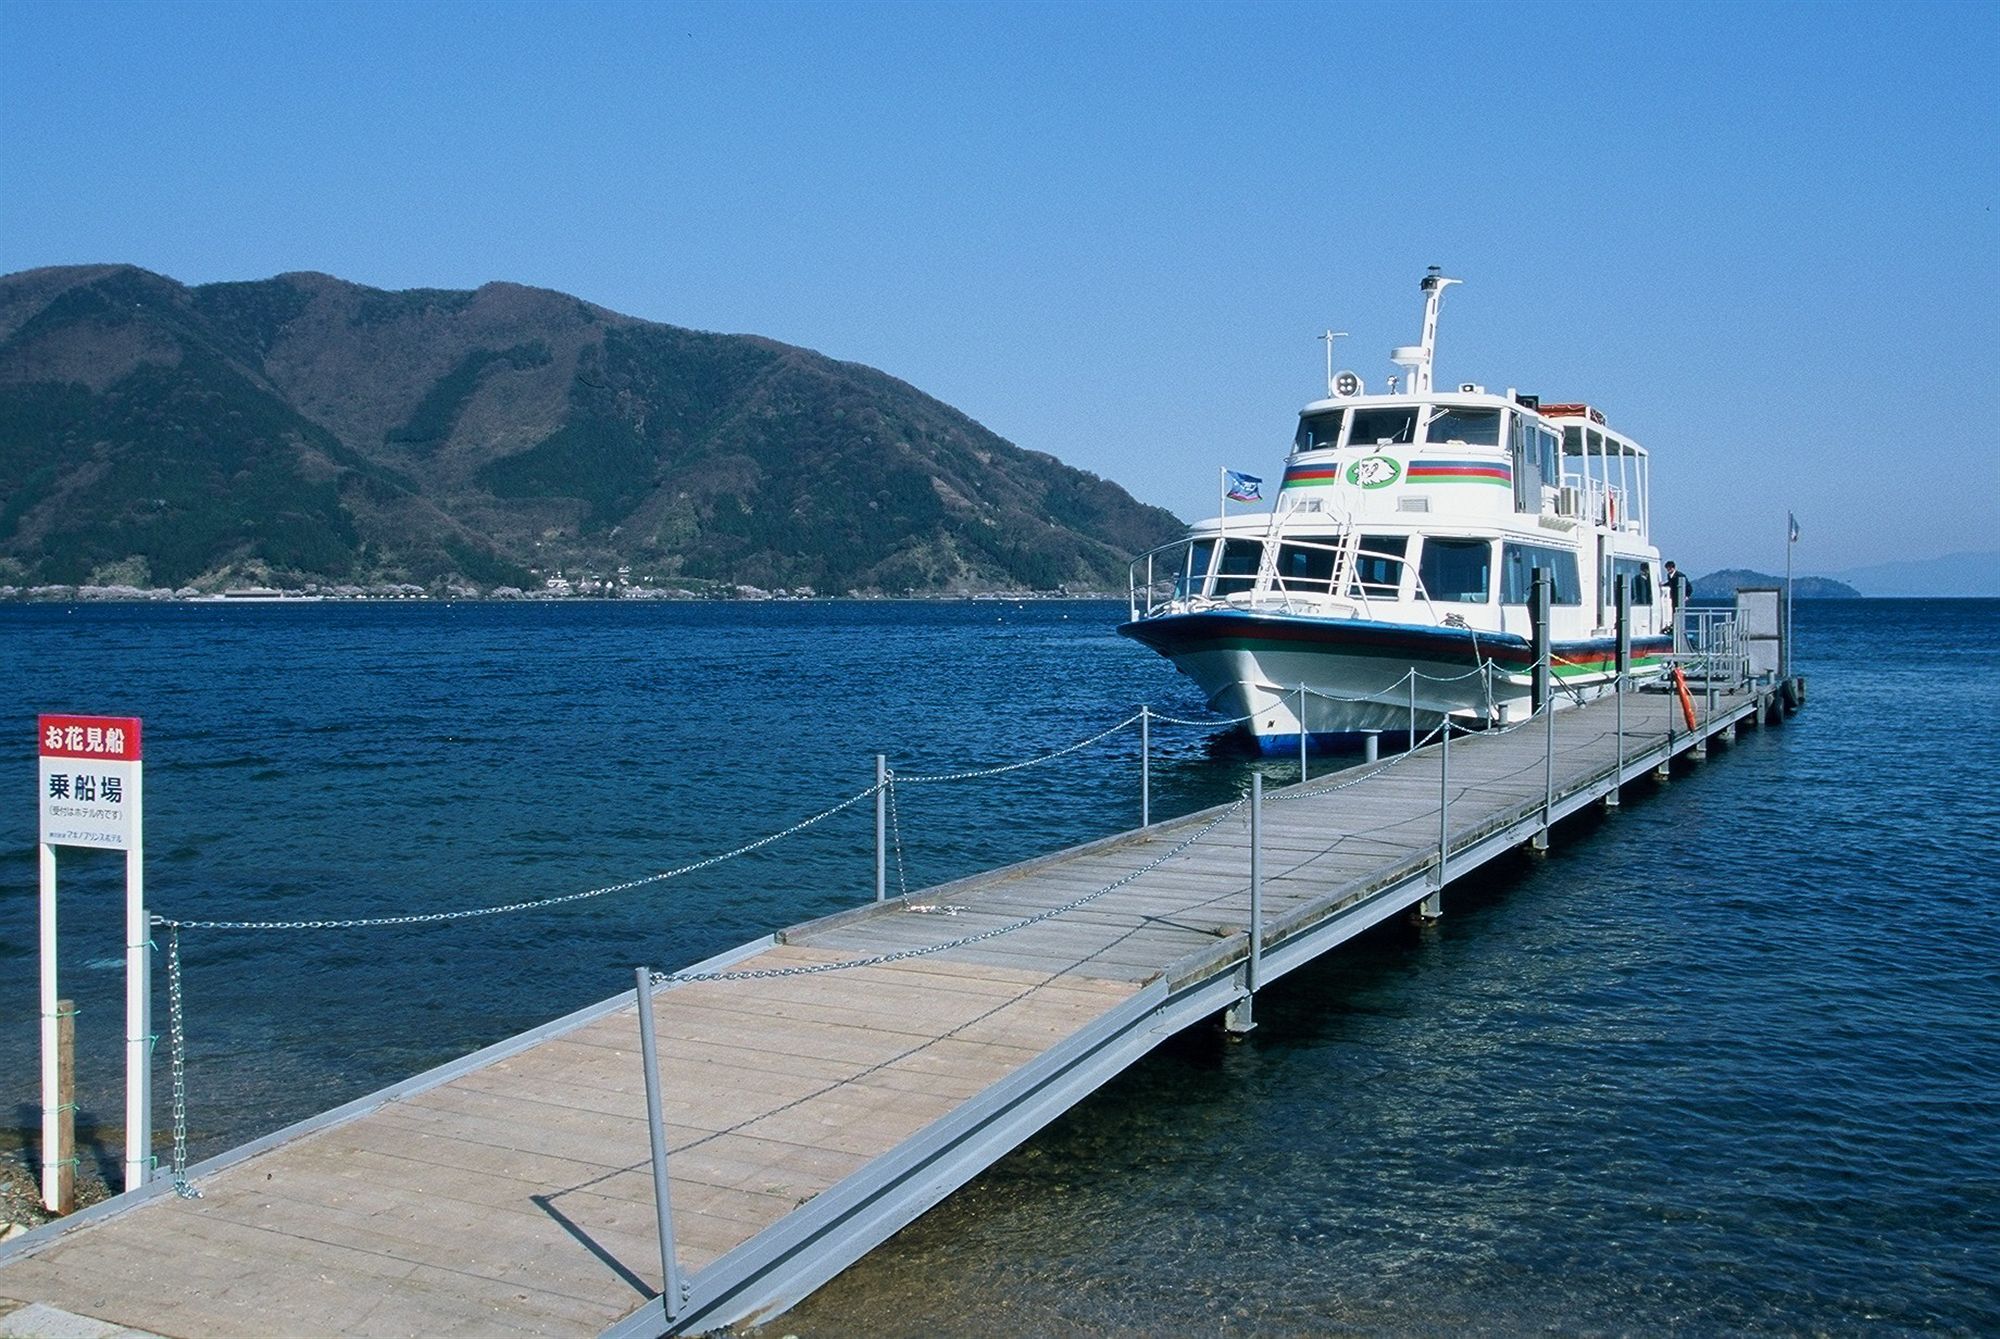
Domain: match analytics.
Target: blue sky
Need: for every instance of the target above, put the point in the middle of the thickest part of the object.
(1762, 238)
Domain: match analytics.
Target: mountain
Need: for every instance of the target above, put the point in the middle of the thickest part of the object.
(1953, 574)
(304, 429)
(1723, 584)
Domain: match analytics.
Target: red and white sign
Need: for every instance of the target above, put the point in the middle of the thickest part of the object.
(90, 780)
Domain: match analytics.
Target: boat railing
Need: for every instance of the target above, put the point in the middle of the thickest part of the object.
(1155, 588)
(1602, 503)
(1709, 647)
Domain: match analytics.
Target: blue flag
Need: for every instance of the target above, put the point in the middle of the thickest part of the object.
(1239, 487)
(1793, 526)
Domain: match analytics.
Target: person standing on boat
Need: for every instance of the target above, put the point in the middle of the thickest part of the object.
(1680, 591)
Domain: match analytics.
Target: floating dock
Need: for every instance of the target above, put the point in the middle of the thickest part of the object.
(822, 1087)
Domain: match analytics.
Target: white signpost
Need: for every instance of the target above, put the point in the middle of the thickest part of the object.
(90, 789)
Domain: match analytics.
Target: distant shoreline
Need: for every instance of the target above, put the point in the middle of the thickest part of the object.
(78, 595)
(74, 595)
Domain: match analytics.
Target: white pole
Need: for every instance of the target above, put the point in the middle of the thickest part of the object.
(138, 1002)
(1256, 972)
(51, 1099)
(1786, 670)
(881, 826)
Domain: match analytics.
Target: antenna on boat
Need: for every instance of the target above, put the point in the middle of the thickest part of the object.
(1330, 336)
(1417, 357)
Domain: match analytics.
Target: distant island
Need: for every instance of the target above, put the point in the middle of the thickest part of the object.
(304, 434)
(1723, 584)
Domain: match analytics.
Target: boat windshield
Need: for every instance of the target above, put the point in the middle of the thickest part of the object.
(1377, 426)
(1469, 424)
(1194, 574)
(1238, 569)
(1317, 432)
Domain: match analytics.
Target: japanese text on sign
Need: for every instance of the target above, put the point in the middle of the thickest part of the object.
(89, 780)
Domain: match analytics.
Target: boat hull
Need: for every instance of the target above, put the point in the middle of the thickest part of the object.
(1356, 673)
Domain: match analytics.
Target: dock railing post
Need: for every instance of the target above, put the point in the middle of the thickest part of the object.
(1302, 732)
(1623, 665)
(1411, 743)
(1240, 1017)
(1145, 767)
(1256, 881)
(1545, 672)
(1539, 632)
(670, 1281)
(1433, 905)
(881, 827)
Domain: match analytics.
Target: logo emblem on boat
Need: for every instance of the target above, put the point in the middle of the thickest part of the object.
(1374, 472)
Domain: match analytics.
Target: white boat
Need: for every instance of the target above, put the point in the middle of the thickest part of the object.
(1389, 585)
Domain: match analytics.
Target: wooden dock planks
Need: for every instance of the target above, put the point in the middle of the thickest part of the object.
(515, 1197)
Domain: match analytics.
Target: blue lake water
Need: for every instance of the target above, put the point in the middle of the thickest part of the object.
(1727, 1061)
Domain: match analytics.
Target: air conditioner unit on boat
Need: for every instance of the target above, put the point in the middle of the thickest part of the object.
(1569, 502)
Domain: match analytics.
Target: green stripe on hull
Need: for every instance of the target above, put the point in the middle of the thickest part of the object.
(1604, 666)
(1403, 655)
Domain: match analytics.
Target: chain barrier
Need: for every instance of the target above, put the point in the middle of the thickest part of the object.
(1212, 721)
(1286, 796)
(896, 831)
(976, 773)
(964, 941)
(177, 1049)
(435, 917)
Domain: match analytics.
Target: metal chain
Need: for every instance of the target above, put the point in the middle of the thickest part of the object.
(1317, 791)
(1482, 667)
(434, 917)
(903, 955)
(976, 773)
(896, 831)
(1212, 721)
(1490, 732)
(177, 1050)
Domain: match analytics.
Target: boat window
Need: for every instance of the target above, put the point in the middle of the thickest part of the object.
(1301, 568)
(1572, 441)
(1517, 564)
(1638, 574)
(1378, 568)
(1372, 426)
(1550, 452)
(1195, 575)
(1464, 423)
(1456, 571)
(1317, 432)
(1238, 570)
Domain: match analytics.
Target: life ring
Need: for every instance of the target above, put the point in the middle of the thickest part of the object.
(1687, 698)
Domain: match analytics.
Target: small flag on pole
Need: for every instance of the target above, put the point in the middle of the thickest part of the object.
(1240, 487)
(1793, 522)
